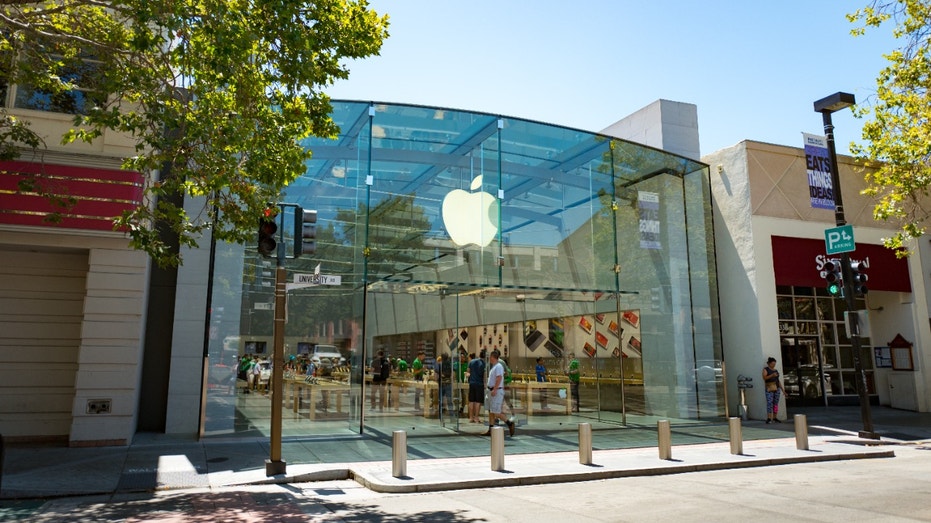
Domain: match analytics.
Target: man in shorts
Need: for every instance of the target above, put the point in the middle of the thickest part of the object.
(495, 385)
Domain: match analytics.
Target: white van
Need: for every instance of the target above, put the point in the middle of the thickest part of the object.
(326, 356)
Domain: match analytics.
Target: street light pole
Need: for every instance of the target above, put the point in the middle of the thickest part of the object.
(826, 106)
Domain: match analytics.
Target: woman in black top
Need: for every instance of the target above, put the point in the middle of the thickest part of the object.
(773, 388)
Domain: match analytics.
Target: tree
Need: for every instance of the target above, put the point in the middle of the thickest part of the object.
(899, 135)
(216, 93)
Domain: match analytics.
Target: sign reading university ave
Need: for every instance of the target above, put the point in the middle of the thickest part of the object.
(839, 239)
(318, 279)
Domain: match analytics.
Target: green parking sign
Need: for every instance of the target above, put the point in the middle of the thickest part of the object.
(839, 239)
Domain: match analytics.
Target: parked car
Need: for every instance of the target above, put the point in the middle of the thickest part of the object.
(809, 386)
(325, 357)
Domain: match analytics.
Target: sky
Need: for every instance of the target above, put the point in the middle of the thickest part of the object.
(753, 69)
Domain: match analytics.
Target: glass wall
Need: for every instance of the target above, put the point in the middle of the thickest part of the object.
(445, 235)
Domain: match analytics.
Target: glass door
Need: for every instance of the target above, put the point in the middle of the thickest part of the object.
(805, 381)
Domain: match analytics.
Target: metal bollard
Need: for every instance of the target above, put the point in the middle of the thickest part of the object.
(665, 439)
(585, 443)
(497, 449)
(801, 432)
(736, 435)
(399, 454)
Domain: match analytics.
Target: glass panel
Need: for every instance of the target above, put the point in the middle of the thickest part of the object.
(803, 291)
(783, 289)
(825, 308)
(846, 357)
(835, 380)
(829, 355)
(848, 384)
(827, 335)
(807, 327)
(784, 305)
(804, 308)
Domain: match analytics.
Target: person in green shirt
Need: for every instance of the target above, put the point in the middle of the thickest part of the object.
(417, 371)
(402, 367)
(574, 375)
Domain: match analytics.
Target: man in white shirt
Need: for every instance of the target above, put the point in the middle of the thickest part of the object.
(495, 387)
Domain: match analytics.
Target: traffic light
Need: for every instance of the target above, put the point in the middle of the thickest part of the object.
(858, 279)
(832, 275)
(267, 245)
(305, 232)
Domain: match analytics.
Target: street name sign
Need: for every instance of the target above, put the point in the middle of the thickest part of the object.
(839, 239)
(318, 279)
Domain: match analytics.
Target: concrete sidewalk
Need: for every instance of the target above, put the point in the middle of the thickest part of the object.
(443, 460)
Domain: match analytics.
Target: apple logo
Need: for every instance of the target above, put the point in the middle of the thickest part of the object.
(468, 216)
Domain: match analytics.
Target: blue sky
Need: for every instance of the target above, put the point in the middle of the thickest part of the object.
(752, 68)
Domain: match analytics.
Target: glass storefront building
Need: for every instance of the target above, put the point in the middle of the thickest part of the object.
(455, 233)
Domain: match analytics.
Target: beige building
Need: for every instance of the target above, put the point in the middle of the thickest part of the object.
(73, 295)
(770, 241)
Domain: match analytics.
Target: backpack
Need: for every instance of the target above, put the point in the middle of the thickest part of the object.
(385, 369)
(377, 366)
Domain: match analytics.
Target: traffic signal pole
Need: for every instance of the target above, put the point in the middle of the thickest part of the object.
(849, 292)
(304, 235)
(275, 465)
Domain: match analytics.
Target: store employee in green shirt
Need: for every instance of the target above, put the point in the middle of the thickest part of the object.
(417, 370)
(574, 375)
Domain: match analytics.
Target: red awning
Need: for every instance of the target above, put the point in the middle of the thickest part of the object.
(799, 261)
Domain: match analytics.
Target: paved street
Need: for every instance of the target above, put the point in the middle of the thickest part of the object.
(840, 477)
(882, 489)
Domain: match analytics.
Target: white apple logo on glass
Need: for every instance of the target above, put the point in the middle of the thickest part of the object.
(468, 215)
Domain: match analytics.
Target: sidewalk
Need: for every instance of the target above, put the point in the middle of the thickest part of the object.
(440, 460)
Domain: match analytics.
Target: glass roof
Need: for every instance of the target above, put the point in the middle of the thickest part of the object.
(429, 151)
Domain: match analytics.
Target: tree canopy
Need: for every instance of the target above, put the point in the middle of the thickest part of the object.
(898, 135)
(216, 93)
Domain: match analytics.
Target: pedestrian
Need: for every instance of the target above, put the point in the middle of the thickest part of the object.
(773, 388)
(541, 378)
(381, 369)
(443, 370)
(476, 388)
(417, 371)
(459, 369)
(495, 385)
(575, 374)
(256, 374)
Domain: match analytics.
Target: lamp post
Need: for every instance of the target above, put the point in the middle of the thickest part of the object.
(826, 106)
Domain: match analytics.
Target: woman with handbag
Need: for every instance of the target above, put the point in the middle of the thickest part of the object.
(773, 389)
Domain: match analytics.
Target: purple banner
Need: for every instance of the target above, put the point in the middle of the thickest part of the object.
(818, 167)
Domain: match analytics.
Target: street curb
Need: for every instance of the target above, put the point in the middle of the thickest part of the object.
(371, 481)
(377, 486)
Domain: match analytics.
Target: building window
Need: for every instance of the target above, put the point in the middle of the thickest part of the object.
(79, 100)
(83, 73)
(811, 311)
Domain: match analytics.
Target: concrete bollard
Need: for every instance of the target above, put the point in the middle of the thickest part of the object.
(497, 449)
(801, 432)
(585, 443)
(665, 439)
(399, 454)
(736, 435)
